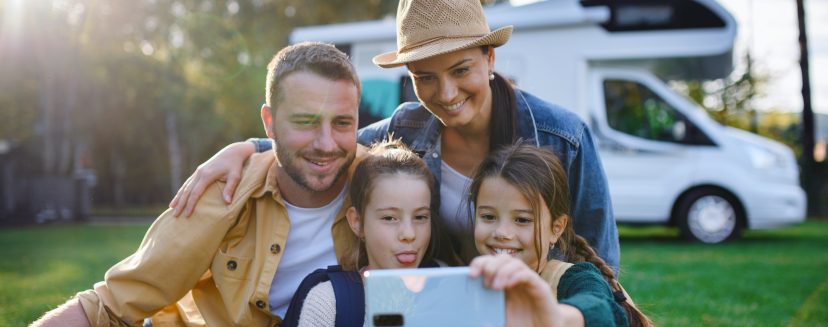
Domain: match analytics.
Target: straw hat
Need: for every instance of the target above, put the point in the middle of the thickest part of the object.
(426, 28)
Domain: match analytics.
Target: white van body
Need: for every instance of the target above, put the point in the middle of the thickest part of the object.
(601, 59)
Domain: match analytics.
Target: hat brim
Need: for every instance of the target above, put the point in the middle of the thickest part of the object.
(442, 46)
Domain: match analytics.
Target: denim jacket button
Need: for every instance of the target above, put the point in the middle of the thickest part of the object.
(275, 248)
(260, 304)
(434, 155)
(231, 265)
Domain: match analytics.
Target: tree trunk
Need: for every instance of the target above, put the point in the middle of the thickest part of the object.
(809, 173)
(119, 169)
(175, 151)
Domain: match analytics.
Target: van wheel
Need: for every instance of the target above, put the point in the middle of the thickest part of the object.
(709, 216)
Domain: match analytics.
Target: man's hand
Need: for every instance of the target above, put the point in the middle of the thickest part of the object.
(529, 300)
(226, 165)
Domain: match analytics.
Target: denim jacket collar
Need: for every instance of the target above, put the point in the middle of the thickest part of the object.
(428, 140)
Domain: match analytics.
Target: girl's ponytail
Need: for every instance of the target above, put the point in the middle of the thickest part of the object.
(582, 251)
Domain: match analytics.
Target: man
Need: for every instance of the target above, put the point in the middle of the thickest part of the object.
(239, 263)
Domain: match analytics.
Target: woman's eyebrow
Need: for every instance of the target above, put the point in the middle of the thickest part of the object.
(462, 61)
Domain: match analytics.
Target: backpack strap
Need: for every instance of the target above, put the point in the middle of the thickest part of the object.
(350, 296)
(553, 272)
(291, 318)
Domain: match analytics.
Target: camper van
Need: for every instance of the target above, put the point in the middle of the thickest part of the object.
(667, 162)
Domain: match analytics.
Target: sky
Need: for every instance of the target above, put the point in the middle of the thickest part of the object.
(768, 29)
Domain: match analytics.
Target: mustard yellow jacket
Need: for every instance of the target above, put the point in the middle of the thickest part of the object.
(214, 268)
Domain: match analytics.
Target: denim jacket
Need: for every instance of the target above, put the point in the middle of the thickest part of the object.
(538, 122)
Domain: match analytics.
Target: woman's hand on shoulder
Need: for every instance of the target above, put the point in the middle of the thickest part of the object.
(226, 165)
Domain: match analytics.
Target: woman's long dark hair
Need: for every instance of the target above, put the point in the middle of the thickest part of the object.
(502, 127)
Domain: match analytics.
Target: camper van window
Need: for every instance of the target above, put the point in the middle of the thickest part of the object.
(648, 15)
(634, 109)
(345, 48)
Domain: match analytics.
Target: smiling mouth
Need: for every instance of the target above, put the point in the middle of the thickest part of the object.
(455, 106)
(318, 163)
(321, 162)
(511, 252)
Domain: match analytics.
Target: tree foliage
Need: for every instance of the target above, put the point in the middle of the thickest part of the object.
(142, 91)
(732, 101)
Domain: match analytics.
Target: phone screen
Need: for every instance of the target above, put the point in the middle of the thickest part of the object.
(430, 297)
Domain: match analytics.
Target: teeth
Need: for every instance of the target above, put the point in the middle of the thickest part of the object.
(505, 251)
(454, 106)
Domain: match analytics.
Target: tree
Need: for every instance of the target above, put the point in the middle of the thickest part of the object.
(142, 91)
(730, 101)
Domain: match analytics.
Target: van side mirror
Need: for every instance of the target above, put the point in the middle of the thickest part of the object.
(679, 131)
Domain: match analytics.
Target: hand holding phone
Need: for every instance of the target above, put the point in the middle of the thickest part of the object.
(530, 301)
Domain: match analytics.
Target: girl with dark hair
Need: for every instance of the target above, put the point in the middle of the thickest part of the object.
(521, 204)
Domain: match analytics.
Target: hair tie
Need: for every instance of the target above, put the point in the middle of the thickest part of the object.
(619, 296)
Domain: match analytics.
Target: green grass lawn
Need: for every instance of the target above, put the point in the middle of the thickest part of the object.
(768, 278)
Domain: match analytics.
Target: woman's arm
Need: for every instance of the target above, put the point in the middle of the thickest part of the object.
(592, 215)
(225, 165)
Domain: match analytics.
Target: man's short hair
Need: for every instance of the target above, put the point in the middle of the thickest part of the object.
(321, 59)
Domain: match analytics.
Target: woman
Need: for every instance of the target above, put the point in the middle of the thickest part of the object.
(465, 112)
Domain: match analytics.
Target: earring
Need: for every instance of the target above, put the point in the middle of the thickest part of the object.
(491, 76)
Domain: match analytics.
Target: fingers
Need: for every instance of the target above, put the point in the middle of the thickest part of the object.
(512, 274)
(192, 190)
(225, 165)
(529, 299)
(500, 271)
(174, 201)
(493, 271)
(484, 266)
(230, 188)
(194, 193)
(181, 194)
(476, 266)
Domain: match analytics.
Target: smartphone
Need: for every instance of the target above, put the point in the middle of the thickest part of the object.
(431, 297)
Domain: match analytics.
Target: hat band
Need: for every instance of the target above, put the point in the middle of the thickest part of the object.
(434, 39)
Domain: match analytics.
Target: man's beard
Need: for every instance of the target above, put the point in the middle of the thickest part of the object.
(287, 162)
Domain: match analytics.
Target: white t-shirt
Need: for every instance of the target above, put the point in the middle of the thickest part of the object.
(309, 246)
(455, 209)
